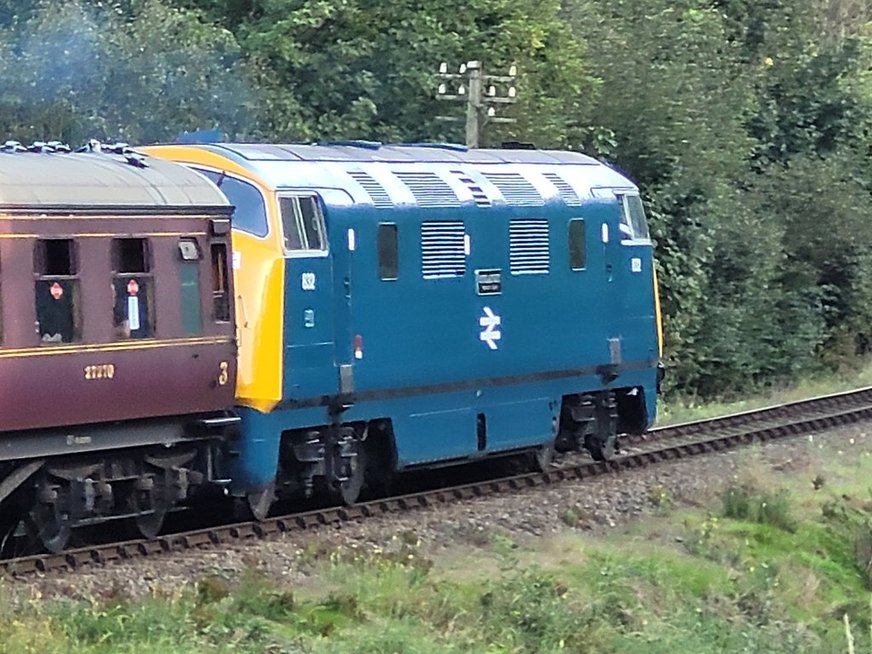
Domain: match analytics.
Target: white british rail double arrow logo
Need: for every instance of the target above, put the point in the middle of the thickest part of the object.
(489, 323)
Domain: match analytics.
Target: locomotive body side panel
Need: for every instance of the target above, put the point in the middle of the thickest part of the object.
(506, 292)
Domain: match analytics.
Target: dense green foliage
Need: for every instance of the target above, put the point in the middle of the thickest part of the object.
(745, 123)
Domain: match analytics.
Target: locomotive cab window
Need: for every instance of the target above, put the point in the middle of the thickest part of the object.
(633, 226)
(577, 254)
(56, 268)
(249, 208)
(388, 259)
(302, 224)
(132, 288)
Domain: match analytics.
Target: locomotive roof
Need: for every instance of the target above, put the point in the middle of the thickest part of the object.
(364, 151)
(99, 179)
(425, 174)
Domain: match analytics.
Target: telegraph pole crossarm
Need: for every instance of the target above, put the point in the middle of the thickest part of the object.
(479, 92)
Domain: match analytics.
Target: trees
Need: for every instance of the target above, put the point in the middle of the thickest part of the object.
(745, 122)
(71, 70)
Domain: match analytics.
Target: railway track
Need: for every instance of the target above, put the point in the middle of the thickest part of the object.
(659, 445)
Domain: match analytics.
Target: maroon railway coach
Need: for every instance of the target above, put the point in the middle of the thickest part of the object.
(117, 344)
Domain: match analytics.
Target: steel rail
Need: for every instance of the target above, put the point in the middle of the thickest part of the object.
(758, 426)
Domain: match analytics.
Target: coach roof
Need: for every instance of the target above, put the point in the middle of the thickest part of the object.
(34, 180)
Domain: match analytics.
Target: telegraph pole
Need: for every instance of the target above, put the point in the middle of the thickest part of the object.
(480, 92)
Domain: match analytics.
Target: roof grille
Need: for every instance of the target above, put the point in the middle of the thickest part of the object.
(429, 189)
(478, 194)
(528, 246)
(516, 189)
(567, 193)
(442, 249)
(376, 191)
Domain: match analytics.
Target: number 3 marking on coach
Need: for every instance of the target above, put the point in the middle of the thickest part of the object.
(307, 281)
(223, 374)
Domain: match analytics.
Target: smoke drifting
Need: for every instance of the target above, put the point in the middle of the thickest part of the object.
(146, 73)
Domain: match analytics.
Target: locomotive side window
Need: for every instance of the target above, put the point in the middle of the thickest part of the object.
(577, 254)
(56, 267)
(220, 284)
(302, 223)
(388, 259)
(132, 288)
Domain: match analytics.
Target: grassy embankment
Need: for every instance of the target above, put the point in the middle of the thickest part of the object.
(771, 562)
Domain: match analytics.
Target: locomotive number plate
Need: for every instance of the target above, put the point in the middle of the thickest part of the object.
(100, 371)
(489, 282)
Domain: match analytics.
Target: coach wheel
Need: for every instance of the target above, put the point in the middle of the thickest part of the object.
(542, 457)
(150, 523)
(260, 502)
(350, 488)
(151, 504)
(50, 524)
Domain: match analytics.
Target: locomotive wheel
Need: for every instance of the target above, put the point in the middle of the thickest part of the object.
(599, 450)
(260, 502)
(349, 490)
(542, 457)
(49, 525)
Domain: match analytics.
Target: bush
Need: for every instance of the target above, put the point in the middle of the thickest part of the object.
(744, 502)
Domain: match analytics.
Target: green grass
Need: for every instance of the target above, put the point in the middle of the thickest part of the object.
(685, 409)
(770, 563)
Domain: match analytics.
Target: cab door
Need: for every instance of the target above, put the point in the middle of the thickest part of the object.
(611, 235)
(309, 344)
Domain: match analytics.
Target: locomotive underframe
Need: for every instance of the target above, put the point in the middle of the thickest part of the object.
(347, 458)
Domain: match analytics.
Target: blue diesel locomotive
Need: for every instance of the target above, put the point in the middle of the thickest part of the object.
(401, 307)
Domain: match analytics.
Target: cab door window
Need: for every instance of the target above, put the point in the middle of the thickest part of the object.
(132, 288)
(302, 224)
(57, 287)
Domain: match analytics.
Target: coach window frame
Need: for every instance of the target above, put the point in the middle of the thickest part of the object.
(73, 276)
(296, 198)
(145, 279)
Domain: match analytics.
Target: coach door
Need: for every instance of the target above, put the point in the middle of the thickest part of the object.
(309, 356)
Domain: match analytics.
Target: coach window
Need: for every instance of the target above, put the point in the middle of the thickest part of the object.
(56, 268)
(132, 288)
(302, 224)
(577, 254)
(388, 256)
(220, 284)
(189, 283)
